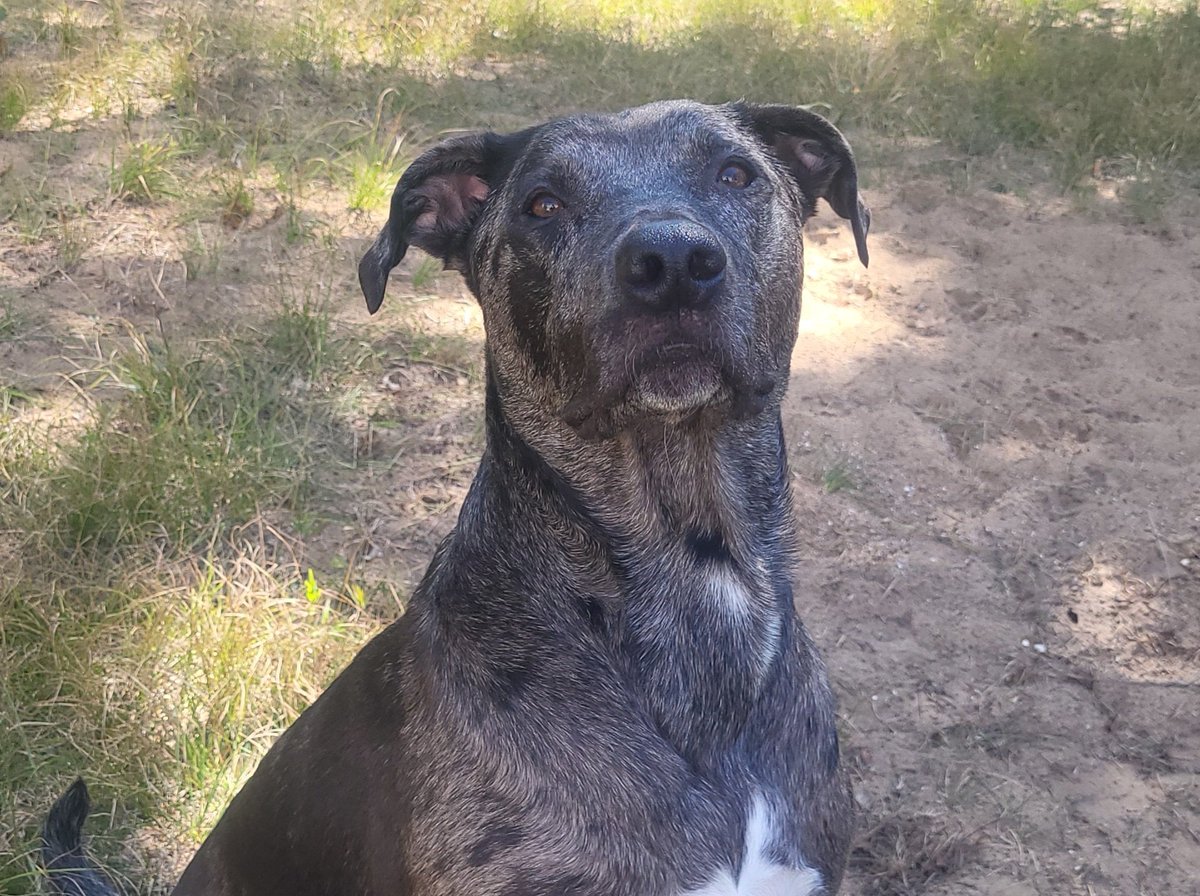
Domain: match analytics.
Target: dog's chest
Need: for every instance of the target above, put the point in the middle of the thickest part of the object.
(760, 874)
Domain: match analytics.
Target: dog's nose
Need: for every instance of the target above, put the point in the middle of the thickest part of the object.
(670, 264)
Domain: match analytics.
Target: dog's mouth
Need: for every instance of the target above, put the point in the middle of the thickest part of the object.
(661, 367)
(675, 378)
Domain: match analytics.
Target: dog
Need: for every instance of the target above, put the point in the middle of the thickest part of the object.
(601, 686)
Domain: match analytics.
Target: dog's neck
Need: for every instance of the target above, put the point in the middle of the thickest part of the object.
(677, 537)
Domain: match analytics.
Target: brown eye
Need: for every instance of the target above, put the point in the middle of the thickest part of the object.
(735, 175)
(545, 205)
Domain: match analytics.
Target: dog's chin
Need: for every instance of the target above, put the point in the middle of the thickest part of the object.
(668, 385)
(675, 388)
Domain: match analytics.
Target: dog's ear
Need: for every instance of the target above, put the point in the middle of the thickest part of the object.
(818, 158)
(436, 206)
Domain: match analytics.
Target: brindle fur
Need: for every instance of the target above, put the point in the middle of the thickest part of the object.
(603, 662)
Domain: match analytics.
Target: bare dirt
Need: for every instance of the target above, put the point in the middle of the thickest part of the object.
(995, 439)
(1009, 589)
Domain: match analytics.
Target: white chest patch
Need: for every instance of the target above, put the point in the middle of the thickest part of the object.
(760, 875)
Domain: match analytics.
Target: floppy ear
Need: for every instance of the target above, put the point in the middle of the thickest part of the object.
(435, 207)
(818, 158)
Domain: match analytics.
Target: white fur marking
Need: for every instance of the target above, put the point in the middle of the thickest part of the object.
(732, 596)
(760, 876)
(729, 593)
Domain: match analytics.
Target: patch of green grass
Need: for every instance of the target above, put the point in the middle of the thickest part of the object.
(236, 202)
(373, 172)
(14, 103)
(1081, 81)
(198, 442)
(201, 253)
(838, 477)
(299, 337)
(164, 685)
(426, 273)
(12, 320)
(156, 634)
(145, 173)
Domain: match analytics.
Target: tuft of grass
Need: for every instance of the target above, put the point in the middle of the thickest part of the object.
(71, 238)
(838, 477)
(12, 321)
(145, 172)
(201, 254)
(115, 16)
(373, 173)
(14, 103)
(32, 210)
(299, 337)
(184, 87)
(426, 273)
(236, 203)
(296, 227)
(68, 31)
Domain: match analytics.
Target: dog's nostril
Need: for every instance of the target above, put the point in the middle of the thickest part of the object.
(706, 263)
(645, 269)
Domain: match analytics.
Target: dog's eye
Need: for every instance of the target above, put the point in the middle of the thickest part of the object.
(544, 205)
(735, 175)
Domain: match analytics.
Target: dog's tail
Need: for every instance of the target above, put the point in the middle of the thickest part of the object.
(69, 870)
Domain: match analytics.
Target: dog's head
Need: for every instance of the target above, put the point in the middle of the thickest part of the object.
(632, 267)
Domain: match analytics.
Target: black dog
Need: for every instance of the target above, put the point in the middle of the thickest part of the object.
(601, 685)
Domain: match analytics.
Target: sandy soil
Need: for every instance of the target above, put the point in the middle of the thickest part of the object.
(1009, 597)
(995, 436)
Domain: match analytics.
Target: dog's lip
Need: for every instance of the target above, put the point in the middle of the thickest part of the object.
(680, 337)
(673, 351)
(679, 346)
(683, 354)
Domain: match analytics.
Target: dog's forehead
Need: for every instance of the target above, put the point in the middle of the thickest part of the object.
(656, 136)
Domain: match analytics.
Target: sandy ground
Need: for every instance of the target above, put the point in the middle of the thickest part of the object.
(995, 437)
(1010, 598)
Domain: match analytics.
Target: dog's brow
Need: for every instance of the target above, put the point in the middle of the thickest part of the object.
(565, 171)
(705, 144)
(577, 164)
